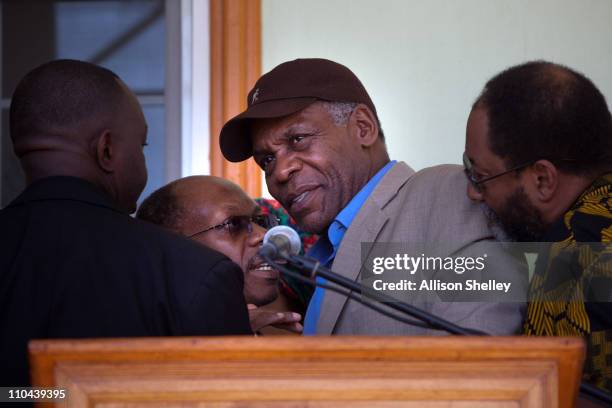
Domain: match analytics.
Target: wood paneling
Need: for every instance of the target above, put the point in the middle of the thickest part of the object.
(313, 371)
(235, 66)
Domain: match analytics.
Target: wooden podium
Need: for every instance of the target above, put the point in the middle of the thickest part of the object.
(313, 372)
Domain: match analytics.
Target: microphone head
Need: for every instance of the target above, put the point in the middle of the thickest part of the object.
(285, 238)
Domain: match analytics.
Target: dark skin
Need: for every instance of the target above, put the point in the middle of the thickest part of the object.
(547, 191)
(207, 201)
(105, 150)
(314, 167)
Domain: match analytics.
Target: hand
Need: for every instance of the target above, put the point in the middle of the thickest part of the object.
(283, 320)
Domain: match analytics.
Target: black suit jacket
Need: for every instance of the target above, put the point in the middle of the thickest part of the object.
(72, 265)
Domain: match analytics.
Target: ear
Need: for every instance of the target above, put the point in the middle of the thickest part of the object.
(364, 124)
(104, 151)
(544, 178)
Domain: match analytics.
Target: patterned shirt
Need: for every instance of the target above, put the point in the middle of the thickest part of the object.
(571, 291)
(295, 290)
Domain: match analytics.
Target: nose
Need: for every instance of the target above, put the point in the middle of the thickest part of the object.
(286, 166)
(473, 194)
(256, 236)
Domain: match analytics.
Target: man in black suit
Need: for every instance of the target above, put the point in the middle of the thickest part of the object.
(73, 262)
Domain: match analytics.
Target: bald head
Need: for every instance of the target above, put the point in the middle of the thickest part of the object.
(174, 205)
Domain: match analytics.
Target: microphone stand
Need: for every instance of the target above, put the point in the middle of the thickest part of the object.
(595, 393)
(343, 292)
(314, 268)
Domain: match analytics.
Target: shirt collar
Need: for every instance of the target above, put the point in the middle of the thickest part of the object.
(343, 220)
(65, 188)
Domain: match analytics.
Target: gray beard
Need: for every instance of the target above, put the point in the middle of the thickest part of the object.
(494, 224)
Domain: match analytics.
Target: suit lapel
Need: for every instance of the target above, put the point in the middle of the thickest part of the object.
(366, 227)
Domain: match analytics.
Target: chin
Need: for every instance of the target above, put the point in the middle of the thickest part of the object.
(313, 223)
(262, 296)
(264, 299)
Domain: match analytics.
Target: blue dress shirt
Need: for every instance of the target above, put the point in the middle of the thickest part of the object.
(327, 246)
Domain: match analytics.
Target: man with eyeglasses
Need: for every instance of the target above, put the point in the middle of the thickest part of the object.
(539, 157)
(220, 215)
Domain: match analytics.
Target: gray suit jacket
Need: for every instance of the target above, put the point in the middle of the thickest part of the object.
(428, 206)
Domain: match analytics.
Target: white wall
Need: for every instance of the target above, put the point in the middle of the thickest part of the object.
(424, 62)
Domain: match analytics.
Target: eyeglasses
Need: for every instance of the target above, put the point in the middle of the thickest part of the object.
(468, 169)
(238, 224)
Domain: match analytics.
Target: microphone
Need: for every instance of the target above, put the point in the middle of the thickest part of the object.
(280, 241)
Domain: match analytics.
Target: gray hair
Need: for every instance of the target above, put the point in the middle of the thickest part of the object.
(339, 111)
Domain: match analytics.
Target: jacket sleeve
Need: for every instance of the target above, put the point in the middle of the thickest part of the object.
(208, 294)
(218, 306)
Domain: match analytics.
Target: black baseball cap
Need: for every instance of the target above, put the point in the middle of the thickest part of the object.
(287, 89)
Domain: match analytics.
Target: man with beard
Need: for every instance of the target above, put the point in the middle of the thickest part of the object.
(539, 156)
(220, 215)
(313, 129)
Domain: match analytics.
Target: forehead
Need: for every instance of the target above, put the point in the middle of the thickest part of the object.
(477, 132)
(264, 131)
(477, 144)
(210, 200)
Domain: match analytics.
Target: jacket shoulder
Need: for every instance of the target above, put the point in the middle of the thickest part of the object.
(434, 202)
(444, 177)
(443, 186)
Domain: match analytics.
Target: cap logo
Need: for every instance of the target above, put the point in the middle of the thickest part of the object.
(255, 96)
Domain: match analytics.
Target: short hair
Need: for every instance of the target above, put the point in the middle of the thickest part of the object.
(162, 208)
(341, 111)
(60, 96)
(541, 110)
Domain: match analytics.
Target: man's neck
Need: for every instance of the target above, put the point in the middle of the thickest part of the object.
(43, 164)
(572, 187)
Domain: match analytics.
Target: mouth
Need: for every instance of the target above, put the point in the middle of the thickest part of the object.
(265, 271)
(262, 267)
(298, 201)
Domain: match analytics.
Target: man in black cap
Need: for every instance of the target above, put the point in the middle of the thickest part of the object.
(73, 263)
(312, 127)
